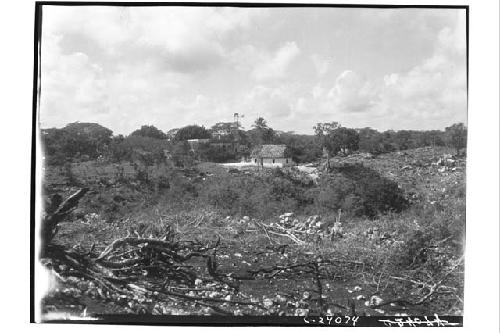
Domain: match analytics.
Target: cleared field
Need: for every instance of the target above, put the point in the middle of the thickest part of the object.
(395, 263)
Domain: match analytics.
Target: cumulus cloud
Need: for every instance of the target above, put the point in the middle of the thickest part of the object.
(73, 80)
(276, 65)
(432, 94)
(109, 64)
(269, 102)
(172, 66)
(352, 93)
(436, 89)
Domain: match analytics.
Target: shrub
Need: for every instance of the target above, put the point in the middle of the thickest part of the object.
(359, 191)
(258, 195)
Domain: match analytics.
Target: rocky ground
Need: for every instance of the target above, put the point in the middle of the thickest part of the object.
(289, 264)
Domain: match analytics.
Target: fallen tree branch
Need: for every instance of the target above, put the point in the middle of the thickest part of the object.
(49, 225)
(292, 237)
(432, 288)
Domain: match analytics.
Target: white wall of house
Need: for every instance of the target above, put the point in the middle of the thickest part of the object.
(273, 162)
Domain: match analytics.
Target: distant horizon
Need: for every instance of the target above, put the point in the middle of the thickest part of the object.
(242, 128)
(124, 67)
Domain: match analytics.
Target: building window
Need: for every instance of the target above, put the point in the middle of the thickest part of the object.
(273, 160)
(286, 161)
(255, 160)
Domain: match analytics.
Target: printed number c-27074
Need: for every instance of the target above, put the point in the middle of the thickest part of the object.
(332, 320)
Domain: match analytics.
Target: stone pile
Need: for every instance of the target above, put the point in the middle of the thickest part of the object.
(376, 235)
(311, 226)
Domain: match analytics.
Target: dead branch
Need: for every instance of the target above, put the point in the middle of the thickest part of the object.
(319, 286)
(432, 289)
(58, 214)
(292, 237)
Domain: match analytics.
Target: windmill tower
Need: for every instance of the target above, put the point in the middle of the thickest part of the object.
(237, 117)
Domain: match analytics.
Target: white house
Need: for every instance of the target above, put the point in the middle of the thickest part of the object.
(272, 156)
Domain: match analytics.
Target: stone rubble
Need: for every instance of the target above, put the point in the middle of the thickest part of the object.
(312, 225)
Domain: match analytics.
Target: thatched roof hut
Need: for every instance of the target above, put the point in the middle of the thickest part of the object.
(271, 151)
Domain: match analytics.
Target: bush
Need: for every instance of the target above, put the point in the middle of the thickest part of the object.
(415, 250)
(136, 148)
(359, 191)
(262, 195)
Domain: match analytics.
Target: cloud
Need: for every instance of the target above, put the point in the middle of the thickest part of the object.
(321, 64)
(352, 93)
(111, 64)
(71, 80)
(272, 103)
(172, 66)
(435, 89)
(276, 65)
(186, 38)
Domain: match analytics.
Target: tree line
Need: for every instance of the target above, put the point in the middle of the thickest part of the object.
(89, 141)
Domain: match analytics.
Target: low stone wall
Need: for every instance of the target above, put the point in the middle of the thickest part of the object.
(93, 171)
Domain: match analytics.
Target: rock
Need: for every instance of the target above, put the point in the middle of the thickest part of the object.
(375, 300)
(301, 312)
(385, 236)
(246, 218)
(306, 295)
(280, 299)
(72, 279)
(267, 302)
(337, 229)
(83, 286)
(402, 314)
(357, 288)
(360, 297)
(319, 224)
(198, 282)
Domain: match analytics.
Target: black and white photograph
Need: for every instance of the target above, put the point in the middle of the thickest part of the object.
(250, 164)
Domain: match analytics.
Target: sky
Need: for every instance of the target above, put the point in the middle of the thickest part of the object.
(124, 67)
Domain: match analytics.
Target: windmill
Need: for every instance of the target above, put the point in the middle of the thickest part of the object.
(237, 117)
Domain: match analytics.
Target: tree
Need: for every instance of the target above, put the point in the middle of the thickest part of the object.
(456, 136)
(343, 140)
(403, 140)
(433, 138)
(323, 132)
(261, 133)
(136, 148)
(75, 141)
(192, 132)
(181, 154)
(93, 135)
(302, 148)
(371, 141)
(323, 129)
(150, 132)
(334, 139)
(260, 123)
